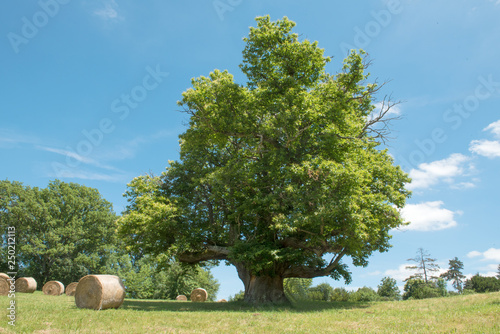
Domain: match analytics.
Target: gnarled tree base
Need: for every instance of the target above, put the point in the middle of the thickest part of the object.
(262, 289)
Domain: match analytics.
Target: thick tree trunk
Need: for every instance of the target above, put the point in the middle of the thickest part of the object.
(262, 289)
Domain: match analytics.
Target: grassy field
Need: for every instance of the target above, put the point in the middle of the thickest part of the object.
(37, 313)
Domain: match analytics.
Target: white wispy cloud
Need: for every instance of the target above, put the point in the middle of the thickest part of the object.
(494, 128)
(490, 270)
(464, 185)
(429, 174)
(125, 149)
(109, 12)
(401, 273)
(76, 173)
(128, 149)
(79, 158)
(428, 216)
(488, 148)
(97, 166)
(492, 254)
(10, 138)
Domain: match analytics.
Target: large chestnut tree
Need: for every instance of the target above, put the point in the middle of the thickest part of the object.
(282, 176)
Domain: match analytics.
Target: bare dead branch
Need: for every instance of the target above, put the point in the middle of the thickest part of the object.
(378, 124)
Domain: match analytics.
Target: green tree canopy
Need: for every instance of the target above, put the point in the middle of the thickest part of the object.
(388, 288)
(481, 284)
(63, 232)
(282, 177)
(417, 288)
(454, 273)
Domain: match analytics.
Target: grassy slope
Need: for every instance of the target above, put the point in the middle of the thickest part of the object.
(37, 313)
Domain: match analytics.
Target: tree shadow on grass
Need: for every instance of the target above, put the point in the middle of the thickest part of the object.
(178, 306)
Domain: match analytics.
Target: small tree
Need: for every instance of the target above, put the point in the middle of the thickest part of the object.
(388, 288)
(417, 288)
(425, 266)
(498, 272)
(454, 274)
(322, 292)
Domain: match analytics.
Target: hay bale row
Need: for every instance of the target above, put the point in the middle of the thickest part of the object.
(99, 292)
(53, 288)
(25, 285)
(4, 286)
(199, 295)
(71, 289)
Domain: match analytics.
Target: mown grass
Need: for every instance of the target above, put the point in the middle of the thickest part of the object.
(37, 313)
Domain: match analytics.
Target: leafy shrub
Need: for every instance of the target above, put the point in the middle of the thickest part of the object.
(419, 289)
(237, 297)
(364, 294)
(339, 295)
(321, 292)
(482, 284)
(468, 292)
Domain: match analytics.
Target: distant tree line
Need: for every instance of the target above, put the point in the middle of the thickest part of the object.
(66, 231)
(424, 284)
(301, 289)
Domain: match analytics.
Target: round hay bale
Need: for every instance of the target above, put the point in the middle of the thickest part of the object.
(99, 292)
(199, 295)
(2, 275)
(53, 288)
(25, 285)
(4, 287)
(222, 301)
(71, 289)
(181, 298)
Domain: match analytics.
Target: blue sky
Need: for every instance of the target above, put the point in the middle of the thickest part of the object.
(89, 88)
